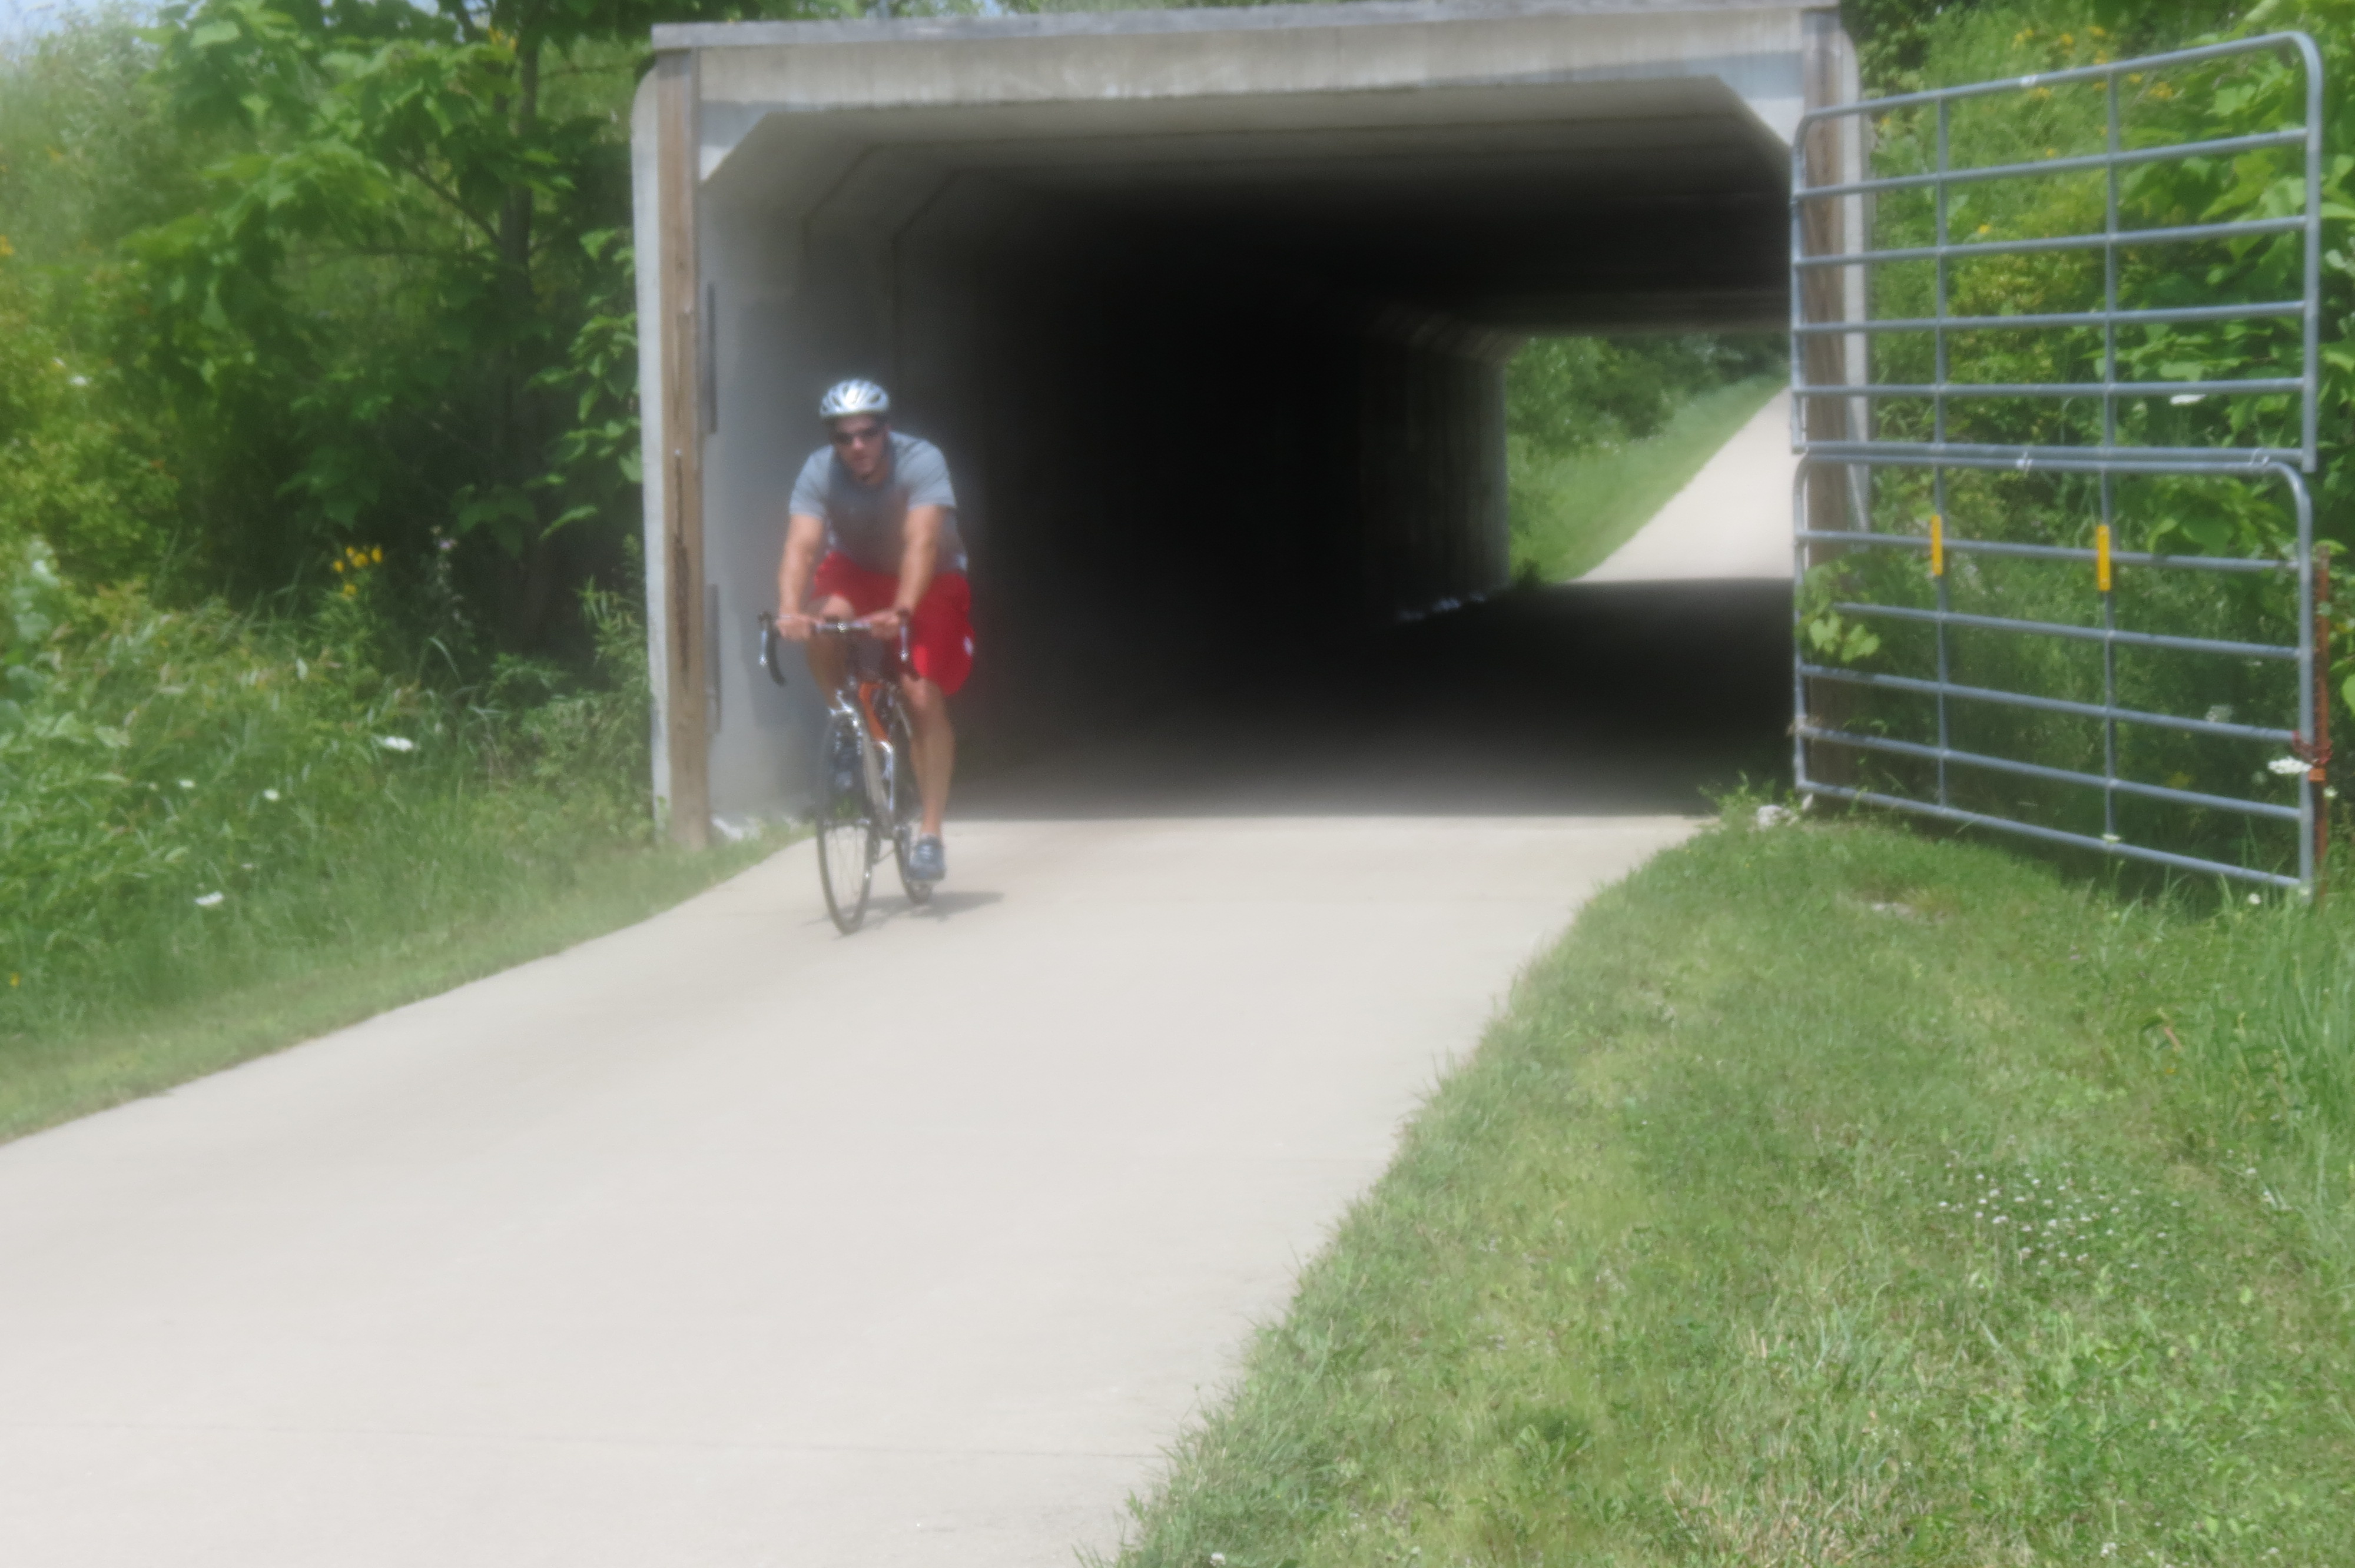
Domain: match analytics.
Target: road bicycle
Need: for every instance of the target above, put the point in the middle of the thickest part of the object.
(866, 787)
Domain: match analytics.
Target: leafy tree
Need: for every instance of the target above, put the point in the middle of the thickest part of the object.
(401, 309)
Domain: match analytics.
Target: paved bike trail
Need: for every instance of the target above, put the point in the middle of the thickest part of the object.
(1731, 520)
(723, 1240)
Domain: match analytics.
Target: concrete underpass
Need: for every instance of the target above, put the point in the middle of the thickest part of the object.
(1208, 310)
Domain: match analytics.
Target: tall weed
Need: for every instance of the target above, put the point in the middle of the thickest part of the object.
(2262, 1042)
(198, 794)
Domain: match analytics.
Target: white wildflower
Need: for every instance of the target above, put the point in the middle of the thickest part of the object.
(2221, 713)
(2184, 400)
(269, 794)
(187, 783)
(210, 900)
(395, 743)
(1772, 816)
(2286, 767)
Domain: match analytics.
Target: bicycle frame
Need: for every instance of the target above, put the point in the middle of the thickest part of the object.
(866, 705)
(857, 697)
(865, 700)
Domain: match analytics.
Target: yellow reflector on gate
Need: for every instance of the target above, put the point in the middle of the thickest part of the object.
(1937, 546)
(2102, 557)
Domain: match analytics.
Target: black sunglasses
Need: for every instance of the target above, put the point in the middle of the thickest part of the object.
(852, 438)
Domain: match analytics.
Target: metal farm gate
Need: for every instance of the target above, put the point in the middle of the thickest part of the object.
(1976, 639)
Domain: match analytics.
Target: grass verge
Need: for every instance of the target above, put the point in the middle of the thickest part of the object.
(1569, 512)
(1834, 1195)
(119, 1054)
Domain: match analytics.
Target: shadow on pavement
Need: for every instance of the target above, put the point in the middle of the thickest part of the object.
(1621, 699)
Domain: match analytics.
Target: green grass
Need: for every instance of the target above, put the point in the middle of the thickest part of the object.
(529, 911)
(1569, 512)
(1697, 1262)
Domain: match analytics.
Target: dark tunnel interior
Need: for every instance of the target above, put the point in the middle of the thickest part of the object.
(1620, 699)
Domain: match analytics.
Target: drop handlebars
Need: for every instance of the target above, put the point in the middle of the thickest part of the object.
(828, 628)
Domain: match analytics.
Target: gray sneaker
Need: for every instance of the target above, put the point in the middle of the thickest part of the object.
(926, 861)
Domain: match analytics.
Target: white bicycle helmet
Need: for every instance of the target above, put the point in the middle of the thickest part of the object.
(847, 398)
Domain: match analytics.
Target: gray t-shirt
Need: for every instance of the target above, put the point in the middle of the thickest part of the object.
(867, 522)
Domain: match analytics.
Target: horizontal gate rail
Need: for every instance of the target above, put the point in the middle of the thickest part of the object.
(2158, 316)
(2109, 634)
(2176, 234)
(2105, 711)
(2244, 460)
(2060, 836)
(2045, 552)
(2254, 386)
(2223, 146)
(2057, 775)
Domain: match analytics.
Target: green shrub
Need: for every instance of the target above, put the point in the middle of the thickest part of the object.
(74, 470)
(192, 792)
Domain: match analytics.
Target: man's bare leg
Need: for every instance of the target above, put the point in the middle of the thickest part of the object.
(933, 740)
(829, 659)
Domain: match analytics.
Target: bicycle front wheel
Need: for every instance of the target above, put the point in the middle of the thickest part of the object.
(846, 834)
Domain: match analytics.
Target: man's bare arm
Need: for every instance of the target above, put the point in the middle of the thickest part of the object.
(918, 556)
(804, 535)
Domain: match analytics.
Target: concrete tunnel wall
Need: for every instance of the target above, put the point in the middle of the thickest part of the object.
(1208, 310)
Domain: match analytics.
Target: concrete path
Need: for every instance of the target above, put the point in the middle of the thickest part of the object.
(725, 1241)
(1731, 520)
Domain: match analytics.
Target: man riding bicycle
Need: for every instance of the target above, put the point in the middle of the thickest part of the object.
(872, 535)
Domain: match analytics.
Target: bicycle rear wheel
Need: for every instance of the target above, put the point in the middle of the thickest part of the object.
(907, 806)
(846, 832)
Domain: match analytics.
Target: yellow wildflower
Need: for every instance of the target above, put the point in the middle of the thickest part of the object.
(2096, 33)
(7, 249)
(1985, 228)
(334, 565)
(2068, 40)
(351, 589)
(376, 556)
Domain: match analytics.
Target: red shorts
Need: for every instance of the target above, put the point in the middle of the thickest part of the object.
(939, 634)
